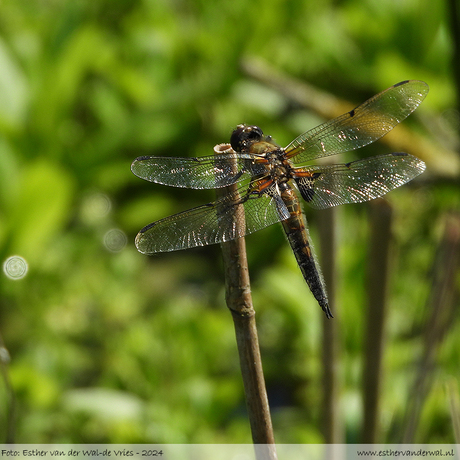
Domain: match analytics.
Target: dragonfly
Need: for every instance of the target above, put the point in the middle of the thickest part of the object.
(267, 181)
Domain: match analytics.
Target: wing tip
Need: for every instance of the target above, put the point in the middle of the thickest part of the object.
(135, 165)
(413, 82)
(418, 164)
(141, 243)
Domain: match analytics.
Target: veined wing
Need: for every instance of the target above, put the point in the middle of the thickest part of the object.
(213, 222)
(362, 125)
(199, 173)
(358, 181)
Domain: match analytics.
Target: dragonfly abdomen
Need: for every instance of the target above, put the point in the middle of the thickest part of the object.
(296, 231)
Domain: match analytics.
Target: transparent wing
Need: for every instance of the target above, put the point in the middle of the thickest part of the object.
(213, 222)
(362, 180)
(362, 125)
(199, 173)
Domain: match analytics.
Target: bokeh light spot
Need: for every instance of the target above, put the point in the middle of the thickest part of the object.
(115, 240)
(95, 207)
(15, 267)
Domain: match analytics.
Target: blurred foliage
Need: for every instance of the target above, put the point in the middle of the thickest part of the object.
(108, 345)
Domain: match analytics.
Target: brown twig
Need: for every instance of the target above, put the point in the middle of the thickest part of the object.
(441, 306)
(332, 423)
(454, 406)
(454, 16)
(239, 301)
(10, 398)
(378, 274)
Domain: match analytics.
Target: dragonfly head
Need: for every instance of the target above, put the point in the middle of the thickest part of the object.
(244, 135)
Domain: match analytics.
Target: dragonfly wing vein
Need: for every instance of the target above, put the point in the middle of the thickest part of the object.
(209, 172)
(209, 224)
(362, 125)
(358, 181)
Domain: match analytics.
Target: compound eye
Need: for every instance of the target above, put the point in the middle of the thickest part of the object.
(242, 135)
(235, 138)
(254, 133)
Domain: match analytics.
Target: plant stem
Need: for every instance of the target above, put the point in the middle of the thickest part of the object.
(442, 308)
(378, 280)
(10, 397)
(239, 301)
(332, 422)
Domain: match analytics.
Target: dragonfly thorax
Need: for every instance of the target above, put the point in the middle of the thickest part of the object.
(278, 167)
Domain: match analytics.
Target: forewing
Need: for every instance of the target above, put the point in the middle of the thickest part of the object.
(362, 125)
(212, 223)
(358, 181)
(198, 173)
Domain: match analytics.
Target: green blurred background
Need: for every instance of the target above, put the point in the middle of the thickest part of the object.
(110, 346)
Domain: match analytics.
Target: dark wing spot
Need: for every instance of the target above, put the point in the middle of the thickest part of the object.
(401, 83)
(305, 185)
(144, 157)
(148, 227)
(307, 193)
(352, 113)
